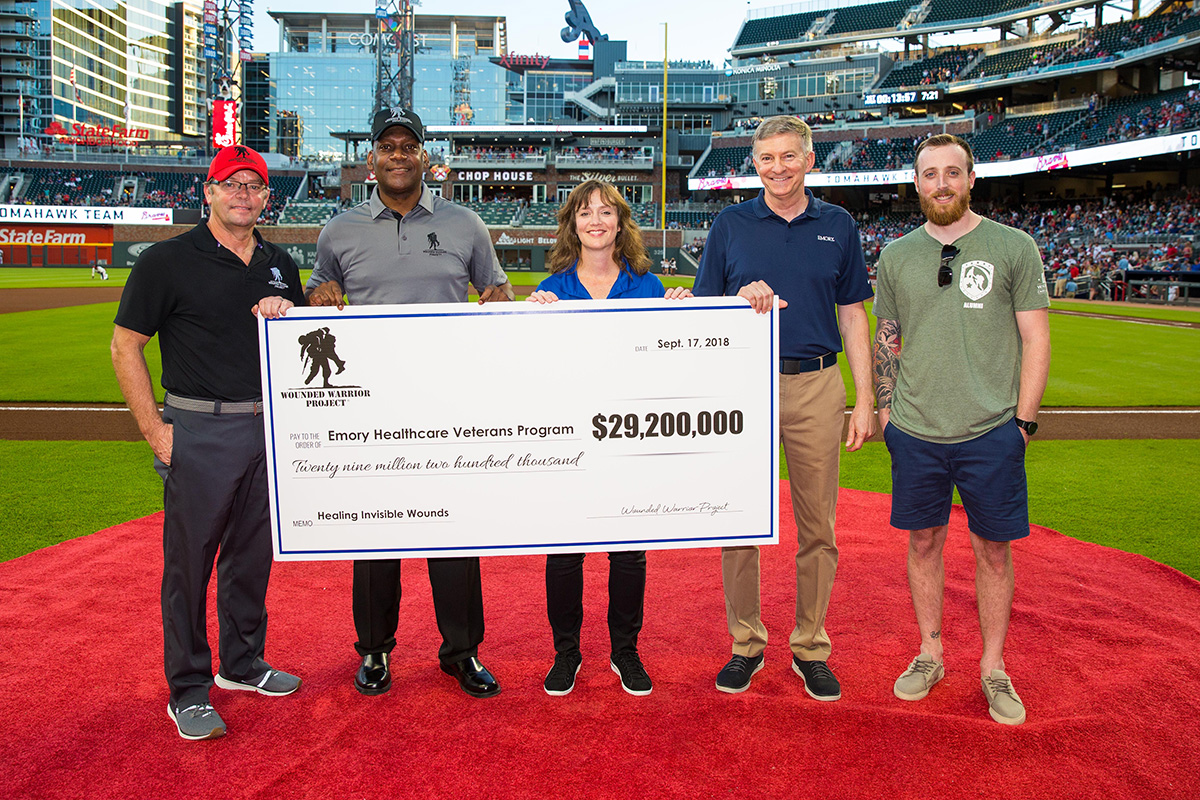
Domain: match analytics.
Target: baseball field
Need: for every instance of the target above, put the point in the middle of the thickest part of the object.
(1115, 462)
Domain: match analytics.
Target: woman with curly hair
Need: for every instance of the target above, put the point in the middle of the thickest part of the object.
(599, 254)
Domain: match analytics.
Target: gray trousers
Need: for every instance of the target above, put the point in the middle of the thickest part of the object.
(215, 497)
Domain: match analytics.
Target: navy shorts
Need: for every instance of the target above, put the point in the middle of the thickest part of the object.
(989, 472)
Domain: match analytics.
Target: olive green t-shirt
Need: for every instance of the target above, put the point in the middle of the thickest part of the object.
(960, 357)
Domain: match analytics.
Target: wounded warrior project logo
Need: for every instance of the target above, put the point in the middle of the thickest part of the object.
(319, 356)
(435, 247)
(277, 279)
(976, 281)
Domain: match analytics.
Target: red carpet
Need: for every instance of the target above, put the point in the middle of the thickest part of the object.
(1103, 650)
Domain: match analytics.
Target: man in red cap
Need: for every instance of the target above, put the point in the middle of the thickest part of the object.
(199, 292)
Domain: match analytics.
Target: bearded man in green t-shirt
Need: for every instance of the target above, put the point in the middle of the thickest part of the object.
(962, 353)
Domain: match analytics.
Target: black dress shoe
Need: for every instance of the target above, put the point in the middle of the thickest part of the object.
(473, 677)
(373, 676)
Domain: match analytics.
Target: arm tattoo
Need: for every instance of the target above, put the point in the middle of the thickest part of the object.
(887, 360)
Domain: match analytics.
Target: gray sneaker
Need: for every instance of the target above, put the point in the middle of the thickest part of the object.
(1003, 703)
(272, 682)
(199, 721)
(919, 678)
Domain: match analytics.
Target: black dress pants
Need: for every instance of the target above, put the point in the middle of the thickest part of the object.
(626, 597)
(457, 604)
(215, 501)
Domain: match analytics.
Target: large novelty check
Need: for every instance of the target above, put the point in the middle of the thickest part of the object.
(455, 429)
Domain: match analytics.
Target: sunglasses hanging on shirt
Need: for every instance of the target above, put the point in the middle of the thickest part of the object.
(945, 276)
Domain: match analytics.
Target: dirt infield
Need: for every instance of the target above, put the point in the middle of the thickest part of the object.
(38, 299)
(105, 422)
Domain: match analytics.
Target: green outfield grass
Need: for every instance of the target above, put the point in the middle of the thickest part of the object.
(58, 277)
(70, 489)
(1173, 314)
(62, 355)
(534, 278)
(1133, 495)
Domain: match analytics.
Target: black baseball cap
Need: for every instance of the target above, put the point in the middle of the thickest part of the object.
(391, 117)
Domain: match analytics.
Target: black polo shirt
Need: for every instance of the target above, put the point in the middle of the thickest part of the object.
(197, 295)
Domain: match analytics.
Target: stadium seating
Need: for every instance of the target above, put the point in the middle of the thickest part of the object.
(1014, 60)
(873, 17)
(1134, 117)
(1026, 136)
(776, 29)
(940, 68)
(720, 159)
(298, 212)
(541, 214)
(948, 10)
(69, 186)
(495, 213)
(882, 154)
(646, 215)
(692, 219)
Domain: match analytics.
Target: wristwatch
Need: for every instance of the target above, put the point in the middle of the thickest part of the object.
(1029, 426)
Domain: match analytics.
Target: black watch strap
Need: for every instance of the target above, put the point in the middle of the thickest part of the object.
(1029, 426)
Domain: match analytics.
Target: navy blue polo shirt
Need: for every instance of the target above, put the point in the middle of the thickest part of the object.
(815, 263)
(567, 286)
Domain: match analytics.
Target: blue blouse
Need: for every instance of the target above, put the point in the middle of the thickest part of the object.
(567, 286)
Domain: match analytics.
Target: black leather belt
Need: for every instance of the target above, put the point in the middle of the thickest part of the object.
(791, 366)
(214, 406)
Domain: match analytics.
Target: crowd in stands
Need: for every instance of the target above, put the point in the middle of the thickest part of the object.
(948, 66)
(749, 124)
(1152, 119)
(497, 153)
(603, 153)
(1086, 245)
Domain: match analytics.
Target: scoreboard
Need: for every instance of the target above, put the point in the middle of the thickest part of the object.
(932, 94)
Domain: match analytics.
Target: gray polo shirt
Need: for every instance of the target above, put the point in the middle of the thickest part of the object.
(427, 256)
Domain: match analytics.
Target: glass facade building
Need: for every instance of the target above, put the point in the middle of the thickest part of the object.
(325, 73)
(134, 63)
(18, 73)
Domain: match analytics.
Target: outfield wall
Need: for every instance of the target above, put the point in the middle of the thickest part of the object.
(529, 244)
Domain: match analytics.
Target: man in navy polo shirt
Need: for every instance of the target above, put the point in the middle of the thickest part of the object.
(788, 243)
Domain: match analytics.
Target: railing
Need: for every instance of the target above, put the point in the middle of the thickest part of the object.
(620, 162)
(1163, 292)
(491, 159)
(63, 158)
(681, 161)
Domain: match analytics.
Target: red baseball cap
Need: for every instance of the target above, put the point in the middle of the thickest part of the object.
(236, 157)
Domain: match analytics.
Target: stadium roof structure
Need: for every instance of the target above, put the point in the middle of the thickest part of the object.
(820, 24)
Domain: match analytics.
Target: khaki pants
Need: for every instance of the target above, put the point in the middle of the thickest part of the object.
(812, 406)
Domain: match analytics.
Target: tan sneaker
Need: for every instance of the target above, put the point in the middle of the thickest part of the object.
(919, 678)
(1003, 703)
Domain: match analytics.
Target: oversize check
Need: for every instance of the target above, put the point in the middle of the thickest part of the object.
(455, 429)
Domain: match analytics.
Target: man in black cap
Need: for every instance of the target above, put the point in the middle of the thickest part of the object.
(405, 245)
